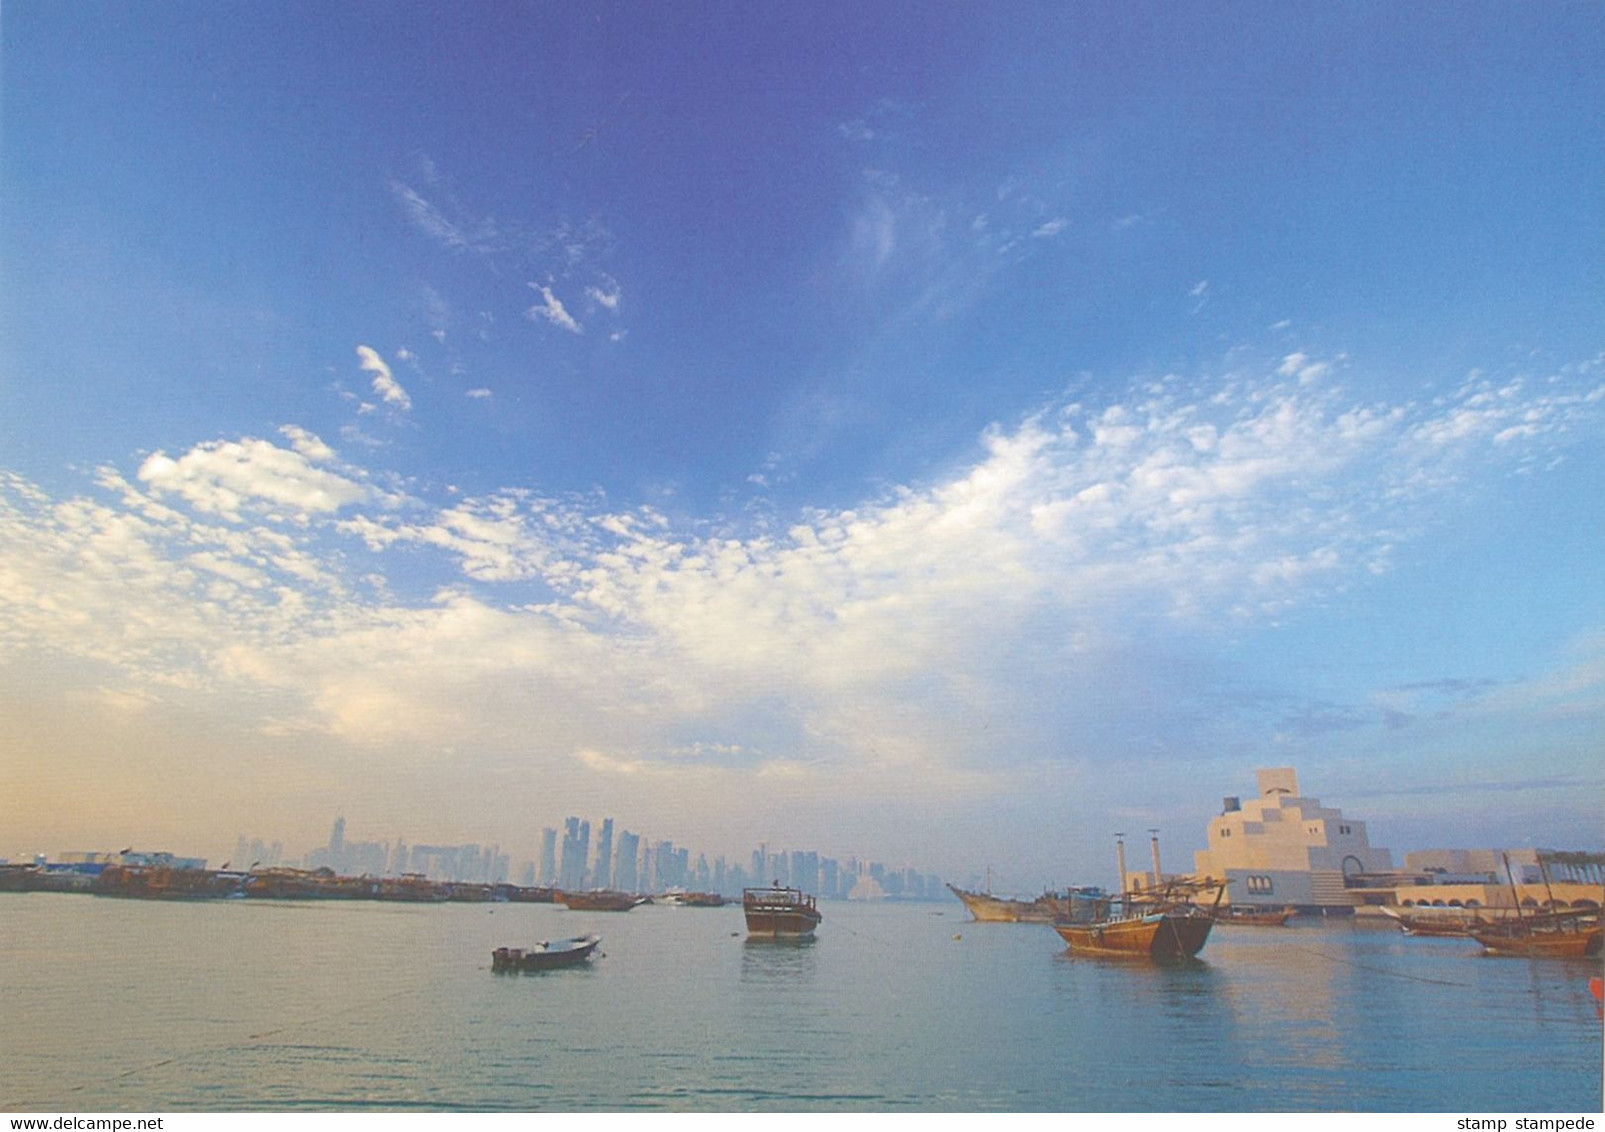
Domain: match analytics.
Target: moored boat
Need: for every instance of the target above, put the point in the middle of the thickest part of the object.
(681, 899)
(1144, 931)
(778, 912)
(1048, 908)
(1555, 935)
(160, 882)
(1148, 925)
(1573, 934)
(545, 956)
(600, 900)
(303, 884)
(1440, 922)
(1254, 917)
(412, 888)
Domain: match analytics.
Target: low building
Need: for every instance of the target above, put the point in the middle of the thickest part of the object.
(1282, 849)
(1490, 878)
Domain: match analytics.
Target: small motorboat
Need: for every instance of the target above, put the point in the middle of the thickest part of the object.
(545, 956)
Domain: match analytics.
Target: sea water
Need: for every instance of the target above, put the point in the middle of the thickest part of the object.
(244, 1005)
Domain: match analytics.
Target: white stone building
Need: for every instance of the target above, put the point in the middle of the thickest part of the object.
(1282, 849)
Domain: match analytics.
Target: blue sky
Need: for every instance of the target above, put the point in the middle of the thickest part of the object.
(934, 432)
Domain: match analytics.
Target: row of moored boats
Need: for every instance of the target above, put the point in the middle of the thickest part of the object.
(776, 912)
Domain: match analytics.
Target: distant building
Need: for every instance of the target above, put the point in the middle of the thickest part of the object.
(602, 874)
(1282, 849)
(626, 874)
(131, 857)
(576, 852)
(1491, 878)
(548, 866)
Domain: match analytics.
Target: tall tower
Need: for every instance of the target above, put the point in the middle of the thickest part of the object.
(576, 851)
(625, 877)
(548, 869)
(602, 874)
(337, 845)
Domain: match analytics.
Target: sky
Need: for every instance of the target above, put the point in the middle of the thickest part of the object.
(947, 434)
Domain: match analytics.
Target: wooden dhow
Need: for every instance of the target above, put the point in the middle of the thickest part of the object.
(600, 900)
(1575, 934)
(1153, 925)
(1249, 917)
(1143, 931)
(1048, 908)
(778, 912)
(1549, 935)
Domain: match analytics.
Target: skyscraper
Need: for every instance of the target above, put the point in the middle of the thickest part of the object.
(625, 876)
(602, 874)
(548, 869)
(576, 851)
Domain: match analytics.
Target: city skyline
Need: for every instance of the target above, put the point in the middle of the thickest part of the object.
(640, 864)
(957, 437)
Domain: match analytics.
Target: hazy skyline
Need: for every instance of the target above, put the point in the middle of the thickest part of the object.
(944, 434)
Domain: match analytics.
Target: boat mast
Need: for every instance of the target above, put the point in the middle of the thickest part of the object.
(1511, 877)
(1549, 893)
(1120, 860)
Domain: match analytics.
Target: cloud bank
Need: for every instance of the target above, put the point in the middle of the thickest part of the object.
(958, 635)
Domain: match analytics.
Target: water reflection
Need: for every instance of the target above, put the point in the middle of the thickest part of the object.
(778, 960)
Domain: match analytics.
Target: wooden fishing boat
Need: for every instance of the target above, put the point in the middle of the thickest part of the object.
(778, 912)
(1432, 923)
(412, 888)
(1143, 931)
(1573, 934)
(1048, 908)
(160, 882)
(1145, 925)
(601, 900)
(545, 956)
(1446, 921)
(1553, 935)
(308, 884)
(1254, 917)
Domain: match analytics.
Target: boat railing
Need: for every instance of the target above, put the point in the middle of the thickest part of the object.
(777, 894)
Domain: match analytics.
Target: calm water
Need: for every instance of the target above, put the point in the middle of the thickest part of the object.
(245, 1005)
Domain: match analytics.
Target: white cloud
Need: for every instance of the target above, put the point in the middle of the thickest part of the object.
(1051, 228)
(307, 444)
(227, 477)
(384, 383)
(459, 234)
(493, 538)
(608, 299)
(1300, 366)
(552, 310)
(927, 634)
